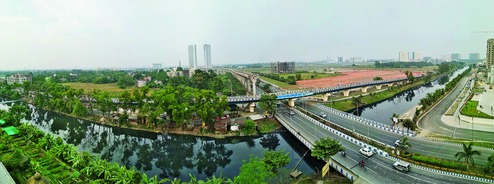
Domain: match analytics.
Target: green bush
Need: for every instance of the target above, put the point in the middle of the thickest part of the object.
(249, 127)
(267, 126)
(438, 162)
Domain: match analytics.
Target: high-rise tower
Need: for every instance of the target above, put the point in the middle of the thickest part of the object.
(192, 57)
(207, 55)
(489, 56)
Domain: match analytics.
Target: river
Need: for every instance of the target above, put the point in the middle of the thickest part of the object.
(170, 156)
(404, 101)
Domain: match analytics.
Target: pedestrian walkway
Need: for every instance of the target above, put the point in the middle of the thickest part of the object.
(465, 122)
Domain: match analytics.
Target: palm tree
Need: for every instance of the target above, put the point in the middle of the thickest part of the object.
(468, 154)
(404, 144)
(357, 101)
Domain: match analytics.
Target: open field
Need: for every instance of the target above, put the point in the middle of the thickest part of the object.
(307, 75)
(278, 83)
(353, 76)
(112, 87)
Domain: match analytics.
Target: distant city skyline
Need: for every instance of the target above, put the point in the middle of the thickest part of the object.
(126, 34)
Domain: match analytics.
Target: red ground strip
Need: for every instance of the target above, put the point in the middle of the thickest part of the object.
(353, 76)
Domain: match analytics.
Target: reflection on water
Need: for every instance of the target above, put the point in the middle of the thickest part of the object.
(169, 156)
(403, 101)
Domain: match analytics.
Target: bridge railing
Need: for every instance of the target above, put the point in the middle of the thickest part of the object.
(369, 122)
(333, 163)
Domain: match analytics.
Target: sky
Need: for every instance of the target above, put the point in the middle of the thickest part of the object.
(85, 34)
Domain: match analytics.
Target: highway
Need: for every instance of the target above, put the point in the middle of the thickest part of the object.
(378, 169)
(418, 145)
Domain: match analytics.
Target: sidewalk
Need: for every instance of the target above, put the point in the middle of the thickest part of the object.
(465, 122)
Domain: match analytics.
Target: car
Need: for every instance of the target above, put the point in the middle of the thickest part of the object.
(322, 115)
(291, 113)
(402, 166)
(366, 151)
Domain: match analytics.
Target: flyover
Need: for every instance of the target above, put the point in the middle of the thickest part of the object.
(378, 168)
(293, 94)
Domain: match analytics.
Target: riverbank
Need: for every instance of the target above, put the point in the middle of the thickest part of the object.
(373, 97)
(200, 131)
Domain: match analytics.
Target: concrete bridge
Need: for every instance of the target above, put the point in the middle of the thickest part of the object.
(294, 94)
(378, 167)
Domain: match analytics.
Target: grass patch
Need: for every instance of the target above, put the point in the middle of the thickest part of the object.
(439, 162)
(307, 75)
(275, 82)
(470, 109)
(347, 105)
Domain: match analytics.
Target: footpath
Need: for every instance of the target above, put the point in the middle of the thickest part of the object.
(464, 122)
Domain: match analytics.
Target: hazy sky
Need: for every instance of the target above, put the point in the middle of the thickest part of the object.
(119, 33)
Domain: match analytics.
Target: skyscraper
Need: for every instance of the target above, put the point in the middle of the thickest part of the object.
(474, 56)
(455, 57)
(207, 55)
(416, 56)
(403, 56)
(489, 58)
(192, 57)
(340, 59)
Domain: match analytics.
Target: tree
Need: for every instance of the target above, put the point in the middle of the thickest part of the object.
(468, 154)
(410, 76)
(408, 123)
(377, 78)
(489, 168)
(249, 127)
(79, 110)
(324, 148)
(404, 144)
(357, 101)
(125, 81)
(268, 102)
(275, 159)
(298, 76)
(254, 171)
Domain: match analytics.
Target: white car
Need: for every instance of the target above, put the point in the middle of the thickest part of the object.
(322, 115)
(366, 151)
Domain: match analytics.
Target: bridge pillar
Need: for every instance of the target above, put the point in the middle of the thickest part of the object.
(252, 107)
(364, 89)
(346, 92)
(325, 97)
(391, 84)
(253, 81)
(291, 102)
(379, 86)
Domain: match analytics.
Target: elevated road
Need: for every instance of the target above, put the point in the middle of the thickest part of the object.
(378, 169)
(423, 146)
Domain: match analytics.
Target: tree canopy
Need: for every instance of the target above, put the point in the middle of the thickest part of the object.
(324, 148)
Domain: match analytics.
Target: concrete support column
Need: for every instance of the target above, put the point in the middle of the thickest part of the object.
(254, 80)
(325, 97)
(346, 92)
(291, 102)
(379, 86)
(252, 107)
(390, 84)
(247, 85)
(364, 89)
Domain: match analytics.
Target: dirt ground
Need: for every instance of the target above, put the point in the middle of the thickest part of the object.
(353, 76)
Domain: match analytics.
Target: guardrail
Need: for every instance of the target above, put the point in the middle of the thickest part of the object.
(369, 122)
(345, 136)
(333, 163)
(446, 171)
